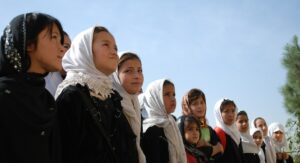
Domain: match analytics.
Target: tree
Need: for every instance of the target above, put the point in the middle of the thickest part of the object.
(291, 93)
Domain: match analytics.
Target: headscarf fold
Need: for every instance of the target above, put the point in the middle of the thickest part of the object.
(231, 130)
(157, 115)
(79, 65)
(131, 109)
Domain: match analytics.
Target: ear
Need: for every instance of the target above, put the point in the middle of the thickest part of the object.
(30, 48)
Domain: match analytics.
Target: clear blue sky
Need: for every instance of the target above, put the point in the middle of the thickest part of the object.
(229, 48)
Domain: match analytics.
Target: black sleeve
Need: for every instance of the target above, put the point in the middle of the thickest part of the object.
(154, 145)
(70, 115)
(214, 139)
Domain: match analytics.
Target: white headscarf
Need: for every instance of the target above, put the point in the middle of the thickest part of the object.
(261, 152)
(79, 65)
(131, 109)
(270, 152)
(231, 130)
(157, 115)
(279, 146)
(248, 144)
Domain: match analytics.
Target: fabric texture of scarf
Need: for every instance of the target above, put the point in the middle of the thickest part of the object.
(157, 115)
(232, 130)
(131, 109)
(79, 65)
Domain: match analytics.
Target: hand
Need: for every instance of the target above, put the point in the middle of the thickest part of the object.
(202, 143)
(285, 155)
(279, 156)
(218, 148)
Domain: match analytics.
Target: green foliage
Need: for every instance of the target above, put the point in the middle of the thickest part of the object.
(291, 90)
(293, 137)
(291, 93)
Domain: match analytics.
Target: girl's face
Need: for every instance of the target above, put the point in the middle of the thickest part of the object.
(228, 114)
(198, 107)
(46, 56)
(260, 123)
(169, 98)
(192, 133)
(105, 52)
(131, 76)
(278, 136)
(242, 123)
(257, 137)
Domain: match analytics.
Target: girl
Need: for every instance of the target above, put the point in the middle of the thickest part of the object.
(194, 103)
(30, 47)
(257, 136)
(189, 127)
(128, 80)
(269, 152)
(162, 142)
(53, 79)
(250, 150)
(279, 143)
(225, 114)
(93, 126)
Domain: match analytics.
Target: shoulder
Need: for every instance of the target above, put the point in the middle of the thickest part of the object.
(155, 131)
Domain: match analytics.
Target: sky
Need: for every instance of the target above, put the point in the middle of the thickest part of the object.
(230, 49)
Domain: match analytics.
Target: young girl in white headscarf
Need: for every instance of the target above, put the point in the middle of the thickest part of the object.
(161, 142)
(93, 126)
(225, 114)
(257, 136)
(250, 149)
(128, 80)
(279, 143)
(269, 152)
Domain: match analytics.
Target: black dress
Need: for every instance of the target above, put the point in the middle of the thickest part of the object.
(232, 152)
(82, 141)
(155, 145)
(28, 121)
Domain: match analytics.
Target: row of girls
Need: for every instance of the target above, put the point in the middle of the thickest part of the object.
(94, 114)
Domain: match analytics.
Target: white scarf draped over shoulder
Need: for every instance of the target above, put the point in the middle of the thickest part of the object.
(79, 65)
(157, 115)
(131, 110)
(231, 130)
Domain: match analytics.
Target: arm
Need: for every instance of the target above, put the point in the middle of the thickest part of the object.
(70, 115)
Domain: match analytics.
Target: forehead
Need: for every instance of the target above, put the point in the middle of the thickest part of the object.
(131, 63)
(260, 122)
(168, 87)
(242, 117)
(257, 133)
(229, 107)
(103, 36)
(192, 125)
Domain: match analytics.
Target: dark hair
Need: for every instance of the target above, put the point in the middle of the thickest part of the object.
(127, 56)
(99, 29)
(242, 112)
(189, 98)
(225, 103)
(168, 82)
(258, 119)
(185, 121)
(22, 31)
